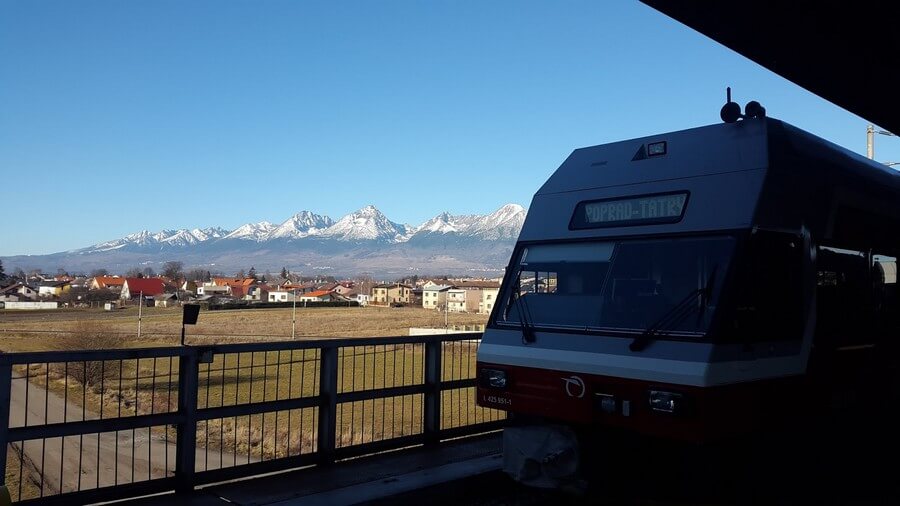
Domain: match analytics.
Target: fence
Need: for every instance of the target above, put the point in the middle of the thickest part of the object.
(108, 424)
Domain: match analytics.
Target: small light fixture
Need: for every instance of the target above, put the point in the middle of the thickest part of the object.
(665, 402)
(493, 378)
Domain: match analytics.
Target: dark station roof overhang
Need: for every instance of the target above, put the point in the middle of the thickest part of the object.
(845, 52)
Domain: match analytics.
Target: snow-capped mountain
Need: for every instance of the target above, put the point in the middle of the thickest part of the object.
(252, 231)
(185, 237)
(364, 240)
(302, 224)
(367, 224)
(163, 238)
(504, 223)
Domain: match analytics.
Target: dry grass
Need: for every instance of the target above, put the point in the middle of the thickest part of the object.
(36, 331)
(13, 483)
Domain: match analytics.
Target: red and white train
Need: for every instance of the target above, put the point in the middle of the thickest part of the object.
(697, 286)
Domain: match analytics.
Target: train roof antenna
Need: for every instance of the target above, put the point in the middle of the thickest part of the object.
(731, 111)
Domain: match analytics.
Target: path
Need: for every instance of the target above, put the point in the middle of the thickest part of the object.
(126, 457)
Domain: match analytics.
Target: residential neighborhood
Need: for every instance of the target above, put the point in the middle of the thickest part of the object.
(443, 294)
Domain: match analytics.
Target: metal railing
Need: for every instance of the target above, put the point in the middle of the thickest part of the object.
(109, 424)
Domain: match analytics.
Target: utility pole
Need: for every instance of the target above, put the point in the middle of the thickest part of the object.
(294, 316)
(870, 142)
(140, 312)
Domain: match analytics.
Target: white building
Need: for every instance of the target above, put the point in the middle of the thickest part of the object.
(456, 300)
(282, 296)
(434, 296)
(488, 299)
(213, 290)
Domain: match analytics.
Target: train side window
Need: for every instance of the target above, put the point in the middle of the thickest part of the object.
(885, 297)
(843, 297)
(527, 282)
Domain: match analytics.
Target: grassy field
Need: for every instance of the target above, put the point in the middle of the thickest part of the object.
(46, 330)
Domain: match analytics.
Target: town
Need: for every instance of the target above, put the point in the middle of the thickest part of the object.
(174, 287)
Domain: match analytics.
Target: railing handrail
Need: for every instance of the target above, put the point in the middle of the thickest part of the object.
(428, 381)
(17, 358)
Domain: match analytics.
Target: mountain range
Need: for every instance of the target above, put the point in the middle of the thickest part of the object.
(362, 241)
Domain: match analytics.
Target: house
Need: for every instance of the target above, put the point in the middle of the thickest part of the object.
(317, 296)
(79, 282)
(473, 290)
(166, 300)
(258, 292)
(456, 300)
(282, 296)
(18, 292)
(299, 288)
(106, 283)
(390, 293)
(343, 288)
(361, 298)
(488, 299)
(434, 296)
(415, 297)
(239, 286)
(49, 289)
(189, 286)
(134, 288)
(209, 289)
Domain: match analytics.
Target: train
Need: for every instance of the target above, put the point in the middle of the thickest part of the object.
(691, 288)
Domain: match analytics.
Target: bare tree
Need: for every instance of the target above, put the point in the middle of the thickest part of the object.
(134, 272)
(173, 269)
(148, 272)
(99, 272)
(197, 275)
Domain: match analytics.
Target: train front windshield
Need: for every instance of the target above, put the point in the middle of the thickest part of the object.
(669, 285)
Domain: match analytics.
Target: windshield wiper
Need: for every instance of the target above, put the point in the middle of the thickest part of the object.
(676, 314)
(524, 318)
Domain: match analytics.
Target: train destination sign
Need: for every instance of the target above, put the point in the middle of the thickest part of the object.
(644, 210)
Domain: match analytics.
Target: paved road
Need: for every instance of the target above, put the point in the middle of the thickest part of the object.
(86, 462)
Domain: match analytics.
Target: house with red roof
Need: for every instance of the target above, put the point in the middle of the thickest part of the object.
(107, 283)
(239, 286)
(134, 288)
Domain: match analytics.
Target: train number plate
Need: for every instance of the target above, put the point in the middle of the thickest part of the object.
(496, 399)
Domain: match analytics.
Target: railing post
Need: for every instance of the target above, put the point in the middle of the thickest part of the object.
(5, 398)
(328, 374)
(433, 391)
(186, 441)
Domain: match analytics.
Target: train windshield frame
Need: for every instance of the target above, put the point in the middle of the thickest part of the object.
(619, 286)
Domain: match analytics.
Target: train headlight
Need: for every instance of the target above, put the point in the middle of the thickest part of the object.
(493, 378)
(665, 402)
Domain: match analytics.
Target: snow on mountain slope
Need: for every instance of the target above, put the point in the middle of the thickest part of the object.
(252, 231)
(367, 224)
(300, 225)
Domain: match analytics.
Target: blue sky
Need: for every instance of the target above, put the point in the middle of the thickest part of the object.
(121, 116)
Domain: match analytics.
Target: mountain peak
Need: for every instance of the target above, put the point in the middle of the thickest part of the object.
(302, 224)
